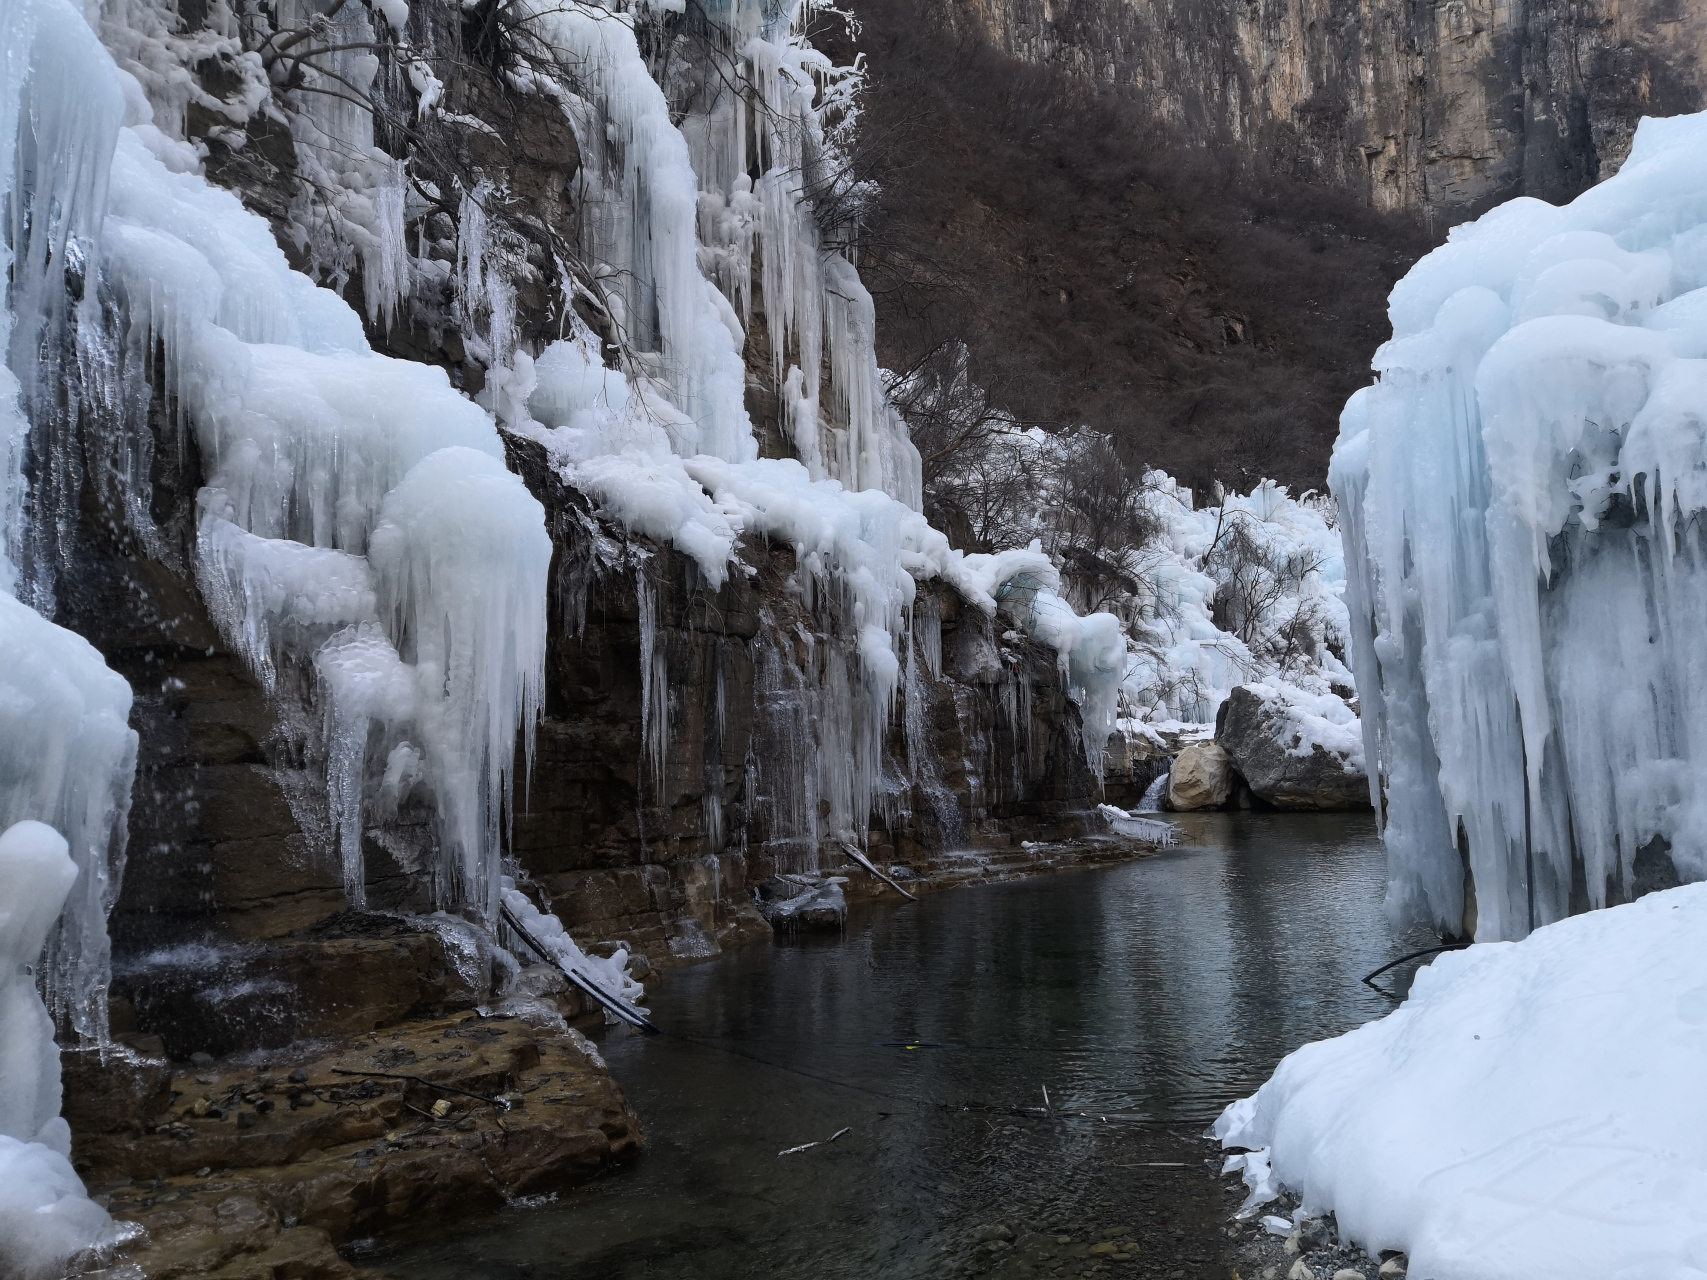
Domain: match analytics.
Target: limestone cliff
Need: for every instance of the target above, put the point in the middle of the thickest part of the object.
(1442, 108)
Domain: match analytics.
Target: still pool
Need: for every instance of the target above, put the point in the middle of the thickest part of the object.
(1142, 997)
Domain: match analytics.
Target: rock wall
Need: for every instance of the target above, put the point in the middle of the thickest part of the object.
(665, 859)
(1438, 108)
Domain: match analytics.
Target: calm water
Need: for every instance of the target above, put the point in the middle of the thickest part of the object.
(1155, 991)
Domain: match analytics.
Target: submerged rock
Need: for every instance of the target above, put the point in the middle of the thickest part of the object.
(793, 903)
(1201, 778)
(1291, 754)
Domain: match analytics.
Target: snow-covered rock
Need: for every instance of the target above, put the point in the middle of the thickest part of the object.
(1294, 750)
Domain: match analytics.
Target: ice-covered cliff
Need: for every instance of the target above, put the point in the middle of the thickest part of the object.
(1522, 502)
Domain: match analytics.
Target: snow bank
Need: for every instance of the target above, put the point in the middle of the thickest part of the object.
(45, 1215)
(1520, 492)
(1533, 1109)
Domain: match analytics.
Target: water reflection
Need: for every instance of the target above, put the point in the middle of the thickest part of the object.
(1158, 990)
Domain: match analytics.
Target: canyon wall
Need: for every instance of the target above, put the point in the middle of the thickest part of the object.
(1441, 108)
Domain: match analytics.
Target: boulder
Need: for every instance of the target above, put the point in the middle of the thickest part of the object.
(793, 903)
(1201, 777)
(1294, 750)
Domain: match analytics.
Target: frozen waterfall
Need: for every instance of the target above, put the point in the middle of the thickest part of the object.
(1523, 495)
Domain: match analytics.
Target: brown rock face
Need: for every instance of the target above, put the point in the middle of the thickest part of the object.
(675, 773)
(1443, 109)
(260, 1172)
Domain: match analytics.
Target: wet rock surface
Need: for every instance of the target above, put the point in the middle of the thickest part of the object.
(1311, 1251)
(261, 1165)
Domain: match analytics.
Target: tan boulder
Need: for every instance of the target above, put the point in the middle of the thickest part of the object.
(1201, 777)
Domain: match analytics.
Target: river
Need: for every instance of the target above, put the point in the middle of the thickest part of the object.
(1142, 997)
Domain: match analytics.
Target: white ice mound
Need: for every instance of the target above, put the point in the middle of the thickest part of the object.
(45, 1217)
(1533, 1109)
(1521, 496)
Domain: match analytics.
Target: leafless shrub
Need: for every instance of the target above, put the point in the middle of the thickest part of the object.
(1098, 526)
(1254, 580)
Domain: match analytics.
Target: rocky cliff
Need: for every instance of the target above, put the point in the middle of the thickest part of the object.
(1440, 108)
(321, 1019)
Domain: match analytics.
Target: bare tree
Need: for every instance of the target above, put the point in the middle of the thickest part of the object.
(1099, 525)
(1254, 580)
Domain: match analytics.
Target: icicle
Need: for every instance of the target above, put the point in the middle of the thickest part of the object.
(654, 687)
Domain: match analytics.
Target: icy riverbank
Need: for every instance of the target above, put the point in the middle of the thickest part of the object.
(1529, 1111)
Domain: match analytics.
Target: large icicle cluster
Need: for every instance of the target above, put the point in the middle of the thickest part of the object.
(1523, 499)
(358, 527)
(358, 517)
(67, 753)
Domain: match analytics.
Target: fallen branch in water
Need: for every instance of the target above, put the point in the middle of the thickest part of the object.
(866, 862)
(807, 1146)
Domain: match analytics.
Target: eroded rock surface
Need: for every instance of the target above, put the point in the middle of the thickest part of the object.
(261, 1171)
(1439, 109)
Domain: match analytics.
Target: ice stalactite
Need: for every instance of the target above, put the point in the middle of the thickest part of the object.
(764, 127)
(1523, 506)
(1091, 650)
(358, 524)
(357, 518)
(638, 200)
(67, 752)
(654, 684)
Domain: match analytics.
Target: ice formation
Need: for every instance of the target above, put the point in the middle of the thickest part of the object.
(358, 522)
(610, 973)
(67, 753)
(1528, 1111)
(45, 1215)
(1521, 494)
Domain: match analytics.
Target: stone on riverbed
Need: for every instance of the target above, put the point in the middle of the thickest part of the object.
(1201, 777)
(1294, 750)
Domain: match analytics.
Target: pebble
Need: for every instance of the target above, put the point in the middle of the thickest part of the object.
(1394, 1268)
(1300, 1271)
(1349, 1274)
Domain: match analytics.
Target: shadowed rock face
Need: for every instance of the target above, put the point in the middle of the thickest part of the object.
(1441, 109)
